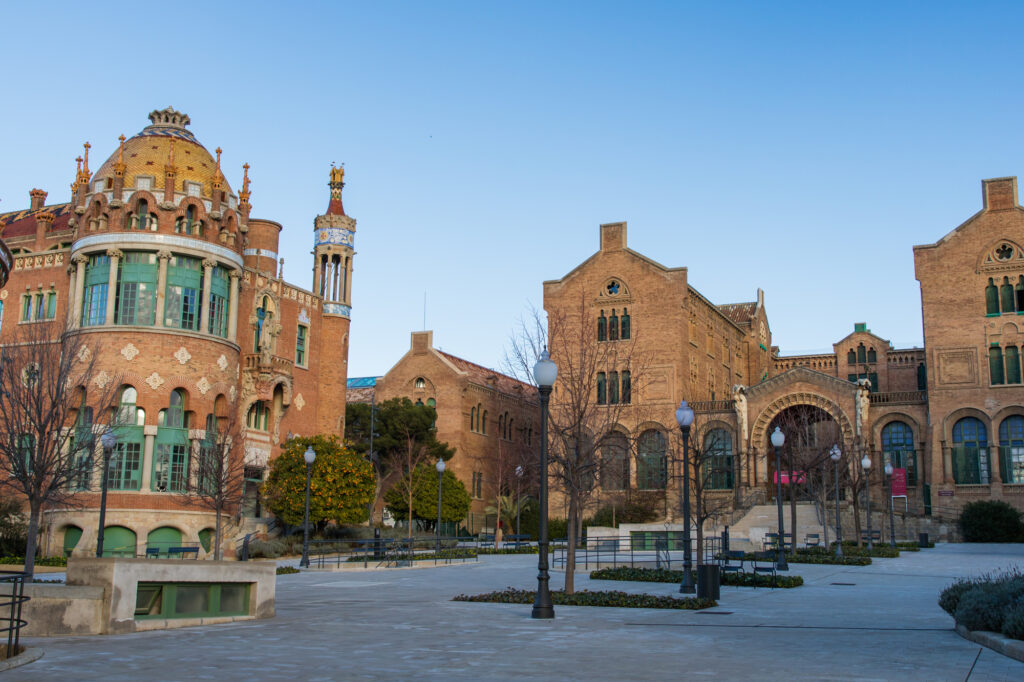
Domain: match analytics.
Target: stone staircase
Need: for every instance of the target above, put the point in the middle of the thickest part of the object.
(764, 518)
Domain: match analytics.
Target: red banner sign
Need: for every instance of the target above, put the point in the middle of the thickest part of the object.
(899, 482)
(798, 477)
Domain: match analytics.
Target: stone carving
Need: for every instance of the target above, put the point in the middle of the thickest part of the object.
(155, 381)
(233, 393)
(182, 355)
(3, 295)
(129, 352)
(84, 354)
(102, 380)
(300, 402)
(222, 362)
(739, 397)
(203, 385)
(957, 366)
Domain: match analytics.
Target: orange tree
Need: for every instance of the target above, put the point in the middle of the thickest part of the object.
(341, 485)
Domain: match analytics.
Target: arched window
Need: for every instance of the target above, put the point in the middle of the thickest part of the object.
(851, 357)
(872, 356)
(625, 325)
(615, 463)
(602, 389)
(991, 298)
(995, 365)
(483, 423)
(501, 426)
(627, 388)
(128, 413)
(421, 382)
(258, 416)
(922, 377)
(602, 327)
(613, 388)
(1006, 296)
(1012, 357)
(861, 354)
(1011, 449)
(171, 455)
(898, 446)
(651, 465)
(431, 403)
(970, 452)
(472, 419)
(717, 460)
(613, 327)
(141, 218)
(125, 472)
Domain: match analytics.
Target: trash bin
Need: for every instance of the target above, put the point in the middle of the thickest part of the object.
(709, 579)
(922, 540)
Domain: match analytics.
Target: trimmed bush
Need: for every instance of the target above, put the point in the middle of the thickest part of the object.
(267, 549)
(661, 575)
(981, 608)
(949, 598)
(524, 549)
(287, 570)
(1013, 620)
(587, 598)
(990, 521)
(990, 602)
(40, 561)
(821, 555)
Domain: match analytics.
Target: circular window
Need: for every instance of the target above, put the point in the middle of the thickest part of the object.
(1004, 252)
(613, 288)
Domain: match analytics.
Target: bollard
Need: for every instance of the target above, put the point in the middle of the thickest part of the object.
(376, 543)
(725, 540)
(922, 540)
(709, 581)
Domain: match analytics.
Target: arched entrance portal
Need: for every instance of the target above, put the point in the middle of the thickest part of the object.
(810, 433)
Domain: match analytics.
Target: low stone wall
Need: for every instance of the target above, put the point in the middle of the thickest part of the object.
(100, 594)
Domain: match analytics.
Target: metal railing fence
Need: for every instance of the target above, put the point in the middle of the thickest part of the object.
(12, 597)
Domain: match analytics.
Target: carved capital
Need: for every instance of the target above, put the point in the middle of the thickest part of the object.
(164, 254)
(209, 263)
(235, 274)
(115, 253)
(80, 259)
(167, 205)
(115, 203)
(214, 215)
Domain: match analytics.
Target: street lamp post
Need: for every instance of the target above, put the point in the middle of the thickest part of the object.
(108, 440)
(778, 439)
(544, 373)
(866, 465)
(835, 453)
(440, 482)
(892, 521)
(684, 417)
(310, 457)
(519, 504)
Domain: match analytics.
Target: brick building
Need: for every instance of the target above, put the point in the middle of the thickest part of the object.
(950, 415)
(491, 419)
(178, 292)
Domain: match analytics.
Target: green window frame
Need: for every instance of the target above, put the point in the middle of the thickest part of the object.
(172, 452)
(970, 452)
(81, 445)
(898, 446)
(613, 388)
(995, 366)
(602, 327)
(651, 464)
(602, 389)
(219, 284)
(615, 463)
(183, 293)
(97, 278)
(624, 324)
(192, 600)
(1011, 449)
(26, 308)
(991, 298)
(1007, 299)
(627, 388)
(613, 327)
(258, 415)
(135, 300)
(717, 460)
(125, 471)
(1012, 358)
(300, 345)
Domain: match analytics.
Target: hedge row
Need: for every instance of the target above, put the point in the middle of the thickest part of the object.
(661, 575)
(821, 556)
(991, 602)
(588, 598)
(524, 549)
(40, 561)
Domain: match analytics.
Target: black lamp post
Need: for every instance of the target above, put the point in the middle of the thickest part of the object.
(684, 417)
(310, 457)
(835, 453)
(108, 440)
(440, 476)
(519, 481)
(778, 439)
(544, 373)
(866, 465)
(892, 520)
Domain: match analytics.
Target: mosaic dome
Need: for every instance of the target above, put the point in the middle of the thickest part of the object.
(149, 151)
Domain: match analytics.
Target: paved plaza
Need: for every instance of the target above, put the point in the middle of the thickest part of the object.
(877, 622)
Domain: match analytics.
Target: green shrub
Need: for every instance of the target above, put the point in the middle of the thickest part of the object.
(587, 598)
(820, 555)
(40, 561)
(949, 598)
(1013, 620)
(523, 549)
(990, 521)
(661, 575)
(287, 570)
(558, 529)
(639, 508)
(266, 549)
(981, 608)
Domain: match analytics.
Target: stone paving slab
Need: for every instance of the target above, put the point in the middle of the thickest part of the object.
(391, 624)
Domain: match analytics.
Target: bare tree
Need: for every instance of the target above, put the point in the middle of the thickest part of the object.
(587, 404)
(50, 415)
(402, 465)
(217, 480)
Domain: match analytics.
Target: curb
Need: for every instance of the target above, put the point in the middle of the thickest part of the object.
(1014, 648)
(25, 657)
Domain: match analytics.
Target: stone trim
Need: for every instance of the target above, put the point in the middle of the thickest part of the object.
(155, 242)
(1014, 648)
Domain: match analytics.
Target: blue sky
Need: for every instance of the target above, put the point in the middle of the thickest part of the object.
(803, 148)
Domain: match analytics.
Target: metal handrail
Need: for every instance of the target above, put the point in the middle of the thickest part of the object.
(11, 621)
(391, 552)
(623, 550)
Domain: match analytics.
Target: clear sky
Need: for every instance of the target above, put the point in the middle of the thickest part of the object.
(803, 148)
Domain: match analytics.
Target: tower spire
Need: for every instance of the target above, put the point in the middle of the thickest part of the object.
(336, 184)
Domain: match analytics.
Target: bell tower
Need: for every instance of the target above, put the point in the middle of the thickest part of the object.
(334, 238)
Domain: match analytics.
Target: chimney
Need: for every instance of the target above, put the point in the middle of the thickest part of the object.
(44, 221)
(38, 199)
(613, 236)
(999, 194)
(422, 342)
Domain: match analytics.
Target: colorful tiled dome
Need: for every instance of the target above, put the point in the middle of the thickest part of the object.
(150, 151)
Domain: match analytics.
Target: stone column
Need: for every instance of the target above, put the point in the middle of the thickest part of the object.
(233, 306)
(347, 295)
(149, 450)
(115, 258)
(204, 304)
(161, 286)
(76, 303)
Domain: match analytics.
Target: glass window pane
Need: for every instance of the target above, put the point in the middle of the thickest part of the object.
(192, 599)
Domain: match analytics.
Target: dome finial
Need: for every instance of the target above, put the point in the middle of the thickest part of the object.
(85, 162)
(169, 118)
(244, 195)
(336, 184)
